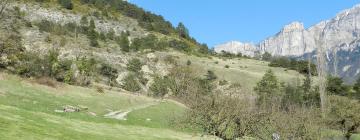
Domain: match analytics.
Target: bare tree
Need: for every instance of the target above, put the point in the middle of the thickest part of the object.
(3, 5)
(321, 68)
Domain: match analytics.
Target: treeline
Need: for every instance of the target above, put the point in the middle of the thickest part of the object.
(284, 110)
(301, 66)
(146, 19)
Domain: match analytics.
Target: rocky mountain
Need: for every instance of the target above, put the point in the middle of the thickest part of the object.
(235, 47)
(339, 36)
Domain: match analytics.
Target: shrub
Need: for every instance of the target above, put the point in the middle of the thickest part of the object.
(188, 63)
(46, 26)
(100, 89)
(10, 50)
(110, 72)
(336, 86)
(131, 84)
(223, 82)
(46, 81)
(169, 59)
(66, 4)
(344, 115)
(123, 41)
(160, 87)
(134, 65)
(227, 66)
(210, 75)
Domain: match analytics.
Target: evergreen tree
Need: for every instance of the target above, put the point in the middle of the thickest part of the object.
(182, 30)
(335, 86)
(306, 87)
(266, 56)
(92, 24)
(357, 88)
(267, 88)
(124, 42)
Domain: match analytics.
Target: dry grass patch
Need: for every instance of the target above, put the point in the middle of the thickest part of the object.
(47, 82)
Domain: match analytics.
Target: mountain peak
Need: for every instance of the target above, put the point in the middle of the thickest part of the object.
(294, 26)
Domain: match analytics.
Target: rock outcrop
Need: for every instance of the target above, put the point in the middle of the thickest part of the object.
(236, 47)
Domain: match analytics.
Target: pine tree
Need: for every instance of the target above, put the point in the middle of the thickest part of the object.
(357, 88)
(267, 88)
(182, 30)
(124, 42)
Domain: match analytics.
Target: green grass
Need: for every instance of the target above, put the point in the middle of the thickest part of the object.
(27, 112)
(247, 72)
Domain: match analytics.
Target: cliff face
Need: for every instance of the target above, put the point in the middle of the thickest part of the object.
(339, 36)
(236, 47)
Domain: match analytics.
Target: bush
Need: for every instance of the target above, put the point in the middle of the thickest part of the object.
(131, 84)
(210, 76)
(227, 66)
(134, 65)
(66, 4)
(123, 41)
(46, 81)
(336, 86)
(160, 87)
(188, 63)
(109, 72)
(223, 82)
(10, 50)
(344, 115)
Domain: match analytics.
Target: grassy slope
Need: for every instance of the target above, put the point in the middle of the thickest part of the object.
(27, 112)
(247, 72)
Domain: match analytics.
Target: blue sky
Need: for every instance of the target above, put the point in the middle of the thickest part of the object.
(218, 21)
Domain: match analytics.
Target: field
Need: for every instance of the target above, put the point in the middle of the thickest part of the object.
(247, 72)
(27, 111)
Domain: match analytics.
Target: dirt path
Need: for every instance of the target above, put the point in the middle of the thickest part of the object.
(121, 114)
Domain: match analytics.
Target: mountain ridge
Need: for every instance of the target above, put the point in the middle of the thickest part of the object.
(338, 34)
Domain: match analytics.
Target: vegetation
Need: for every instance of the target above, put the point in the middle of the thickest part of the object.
(301, 66)
(134, 65)
(160, 86)
(124, 42)
(131, 83)
(67, 4)
(268, 89)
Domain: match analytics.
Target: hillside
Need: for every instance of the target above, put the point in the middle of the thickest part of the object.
(108, 69)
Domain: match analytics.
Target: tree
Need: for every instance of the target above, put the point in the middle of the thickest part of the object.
(335, 86)
(356, 88)
(92, 25)
(66, 4)
(266, 56)
(182, 30)
(306, 87)
(92, 34)
(124, 42)
(267, 88)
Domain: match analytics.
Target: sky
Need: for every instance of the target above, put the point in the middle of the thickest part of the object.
(218, 21)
